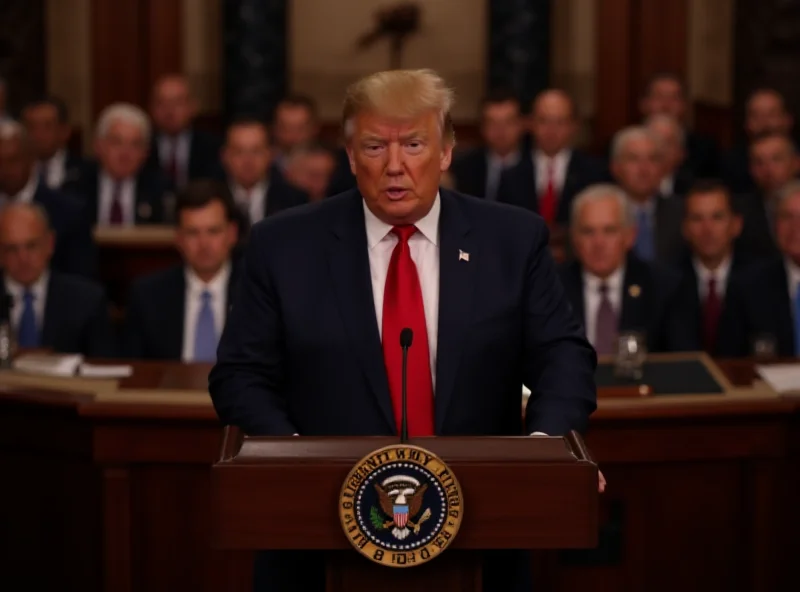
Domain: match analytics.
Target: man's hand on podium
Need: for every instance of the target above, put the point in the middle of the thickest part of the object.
(601, 481)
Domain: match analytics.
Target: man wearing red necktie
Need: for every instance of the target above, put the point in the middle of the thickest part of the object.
(312, 342)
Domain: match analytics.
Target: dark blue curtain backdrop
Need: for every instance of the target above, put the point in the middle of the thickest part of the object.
(256, 51)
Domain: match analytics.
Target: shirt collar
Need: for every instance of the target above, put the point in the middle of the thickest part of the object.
(613, 281)
(217, 286)
(240, 192)
(720, 273)
(560, 156)
(792, 274)
(506, 161)
(59, 158)
(110, 181)
(38, 287)
(25, 194)
(428, 225)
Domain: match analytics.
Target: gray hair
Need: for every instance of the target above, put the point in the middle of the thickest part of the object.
(663, 118)
(11, 129)
(628, 134)
(126, 113)
(598, 192)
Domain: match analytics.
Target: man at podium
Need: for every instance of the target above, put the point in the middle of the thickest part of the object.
(312, 343)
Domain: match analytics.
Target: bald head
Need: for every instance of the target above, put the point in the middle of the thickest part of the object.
(172, 106)
(26, 242)
(553, 121)
(16, 158)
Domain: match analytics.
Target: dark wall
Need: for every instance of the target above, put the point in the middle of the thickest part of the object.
(22, 50)
(767, 50)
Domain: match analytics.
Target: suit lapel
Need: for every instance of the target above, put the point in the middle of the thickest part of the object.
(52, 312)
(174, 309)
(783, 307)
(573, 285)
(634, 317)
(352, 286)
(456, 288)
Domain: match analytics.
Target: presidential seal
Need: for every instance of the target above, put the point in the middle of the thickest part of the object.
(401, 506)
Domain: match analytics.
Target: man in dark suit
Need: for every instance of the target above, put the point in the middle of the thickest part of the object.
(774, 163)
(118, 190)
(677, 176)
(610, 289)
(178, 313)
(665, 94)
(295, 122)
(46, 120)
(312, 342)
(310, 168)
(478, 171)
(75, 251)
(546, 180)
(711, 226)
(50, 309)
(763, 303)
(765, 113)
(179, 150)
(638, 167)
(258, 188)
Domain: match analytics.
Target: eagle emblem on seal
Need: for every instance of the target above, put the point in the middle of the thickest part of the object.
(400, 499)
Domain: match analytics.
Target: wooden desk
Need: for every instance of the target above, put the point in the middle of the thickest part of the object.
(105, 486)
(127, 253)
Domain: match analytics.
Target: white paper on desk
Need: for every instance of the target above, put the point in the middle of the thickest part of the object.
(783, 378)
(48, 364)
(105, 370)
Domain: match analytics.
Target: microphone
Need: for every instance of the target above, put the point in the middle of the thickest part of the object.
(406, 338)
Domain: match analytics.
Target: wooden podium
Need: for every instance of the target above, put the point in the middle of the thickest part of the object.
(519, 493)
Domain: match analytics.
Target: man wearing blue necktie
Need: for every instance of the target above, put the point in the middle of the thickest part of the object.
(51, 310)
(638, 168)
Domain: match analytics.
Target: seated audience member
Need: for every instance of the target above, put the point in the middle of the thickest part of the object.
(47, 122)
(678, 176)
(710, 226)
(179, 313)
(763, 302)
(665, 94)
(774, 163)
(118, 189)
(75, 251)
(478, 171)
(547, 180)
(637, 163)
(178, 149)
(51, 310)
(258, 189)
(765, 113)
(612, 291)
(294, 123)
(310, 168)
(342, 178)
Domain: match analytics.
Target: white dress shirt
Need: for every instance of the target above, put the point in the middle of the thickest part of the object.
(25, 194)
(218, 287)
(106, 199)
(542, 164)
(181, 143)
(591, 298)
(254, 201)
(424, 247)
(720, 274)
(55, 169)
(17, 291)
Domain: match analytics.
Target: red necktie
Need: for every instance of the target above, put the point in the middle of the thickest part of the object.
(711, 311)
(547, 203)
(115, 217)
(403, 307)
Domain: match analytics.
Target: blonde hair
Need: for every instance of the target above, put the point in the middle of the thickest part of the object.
(402, 94)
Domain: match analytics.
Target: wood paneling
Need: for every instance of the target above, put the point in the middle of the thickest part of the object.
(134, 42)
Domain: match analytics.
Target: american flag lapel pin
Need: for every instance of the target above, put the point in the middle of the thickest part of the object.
(463, 256)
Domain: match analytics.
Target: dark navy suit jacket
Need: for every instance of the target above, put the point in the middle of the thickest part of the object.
(518, 184)
(757, 305)
(301, 350)
(649, 304)
(204, 159)
(75, 250)
(156, 309)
